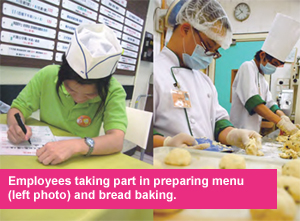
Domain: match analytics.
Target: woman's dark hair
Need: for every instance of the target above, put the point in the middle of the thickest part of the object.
(268, 57)
(67, 73)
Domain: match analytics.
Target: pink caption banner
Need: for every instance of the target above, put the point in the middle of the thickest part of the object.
(138, 189)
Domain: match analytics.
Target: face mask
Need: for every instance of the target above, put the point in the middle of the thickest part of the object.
(198, 60)
(268, 69)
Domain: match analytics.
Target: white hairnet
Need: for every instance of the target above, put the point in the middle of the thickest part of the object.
(207, 16)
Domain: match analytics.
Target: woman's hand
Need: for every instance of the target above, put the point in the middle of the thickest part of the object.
(16, 135)
(57, 152)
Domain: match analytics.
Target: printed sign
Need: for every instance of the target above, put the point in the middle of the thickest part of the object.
(113, 6)
(28, 15)
(74, 18)
(127, 60)
(38, 6)
(22, 26)
(127, 67)
(130, 53)
(121, 2)
(62, 36)
(111, 23)
(117, 33)
(130, 39)
(134, 17)
(66, 26)
(16, 51)
(132, 32)
(58, 56)
(133, 25)
(129, 46)
(26, 40)
(55, 2)
(111, 14)
(62, 46)
(89, 3)
(79, 9)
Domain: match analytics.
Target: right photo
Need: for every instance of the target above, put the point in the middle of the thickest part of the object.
(226, 96)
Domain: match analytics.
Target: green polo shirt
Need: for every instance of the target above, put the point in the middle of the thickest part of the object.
(40, 93)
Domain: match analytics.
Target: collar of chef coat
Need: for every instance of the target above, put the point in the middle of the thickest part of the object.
(172, 56)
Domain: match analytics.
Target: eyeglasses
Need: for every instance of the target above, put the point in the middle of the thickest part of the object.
(216, 54)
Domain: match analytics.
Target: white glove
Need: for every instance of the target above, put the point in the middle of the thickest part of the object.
(286, 125)
(180, 140)
(240, 137)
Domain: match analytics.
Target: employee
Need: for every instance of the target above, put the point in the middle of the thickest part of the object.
(77, 96)
(251, 98)
(201, 27)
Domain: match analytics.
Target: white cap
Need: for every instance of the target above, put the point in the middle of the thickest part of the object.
(282, 37)
(94, 51)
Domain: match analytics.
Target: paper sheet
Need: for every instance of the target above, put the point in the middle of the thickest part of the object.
(40, 136)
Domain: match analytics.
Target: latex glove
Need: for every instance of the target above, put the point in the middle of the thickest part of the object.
(241, 137)
(180, 140)
(287, 126)
(16, 135)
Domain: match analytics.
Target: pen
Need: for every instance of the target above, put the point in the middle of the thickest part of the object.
(21, 124)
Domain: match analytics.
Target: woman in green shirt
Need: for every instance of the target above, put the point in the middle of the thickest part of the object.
(78, 97)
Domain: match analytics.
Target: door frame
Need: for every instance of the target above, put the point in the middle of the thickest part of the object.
(237, 38)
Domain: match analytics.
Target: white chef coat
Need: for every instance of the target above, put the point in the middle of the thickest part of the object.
(205, 110)
(246, 96)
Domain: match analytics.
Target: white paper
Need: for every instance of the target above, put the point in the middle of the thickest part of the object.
(66, 26)
(127, 67)
(130, 39)
(40, 136)
(134, 17)
(111, 23)
(89, 3)
(113, 6)
(75, 18)
(111, 14)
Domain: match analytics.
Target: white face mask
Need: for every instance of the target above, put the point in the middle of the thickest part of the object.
(268, 69)
(198, 60)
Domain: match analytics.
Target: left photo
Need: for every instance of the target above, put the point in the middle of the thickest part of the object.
(76, 91)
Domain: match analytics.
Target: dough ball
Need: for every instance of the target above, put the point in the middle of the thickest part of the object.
(291, 185)
(208, 167)
(165, 211)
(286, 209)
(292, 168)
(178, 157)
(232, 161)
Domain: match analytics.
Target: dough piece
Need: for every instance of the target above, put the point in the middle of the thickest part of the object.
(208, 167)
(165, 211)
(232, 161)
(282, 138)
(260, 153)
(178, 157)
(291, 185)
(292, 168)
(286, 209)
(201, 146)
(252, 148)
(289, 154)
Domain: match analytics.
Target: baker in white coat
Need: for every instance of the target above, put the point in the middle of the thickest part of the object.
(185, 99)
(251, 98)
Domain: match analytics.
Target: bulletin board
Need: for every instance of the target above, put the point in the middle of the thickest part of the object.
(36, 33)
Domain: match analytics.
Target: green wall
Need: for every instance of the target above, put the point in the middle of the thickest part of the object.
(232, 58)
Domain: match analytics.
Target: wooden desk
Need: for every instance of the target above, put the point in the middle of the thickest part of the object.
(114, 161)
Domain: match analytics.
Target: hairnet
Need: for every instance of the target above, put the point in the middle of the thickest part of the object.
(207, 16)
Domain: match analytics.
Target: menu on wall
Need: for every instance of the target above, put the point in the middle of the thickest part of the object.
(42, 29)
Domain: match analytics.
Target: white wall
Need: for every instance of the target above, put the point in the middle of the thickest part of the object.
(145, 68)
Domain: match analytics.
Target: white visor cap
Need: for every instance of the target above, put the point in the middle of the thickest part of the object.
(207, 16)
(94, 51)
(282, 37)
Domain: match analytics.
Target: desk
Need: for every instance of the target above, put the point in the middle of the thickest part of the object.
(114, 161)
